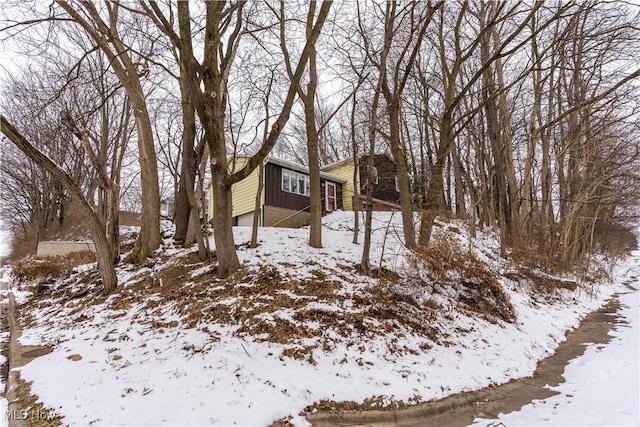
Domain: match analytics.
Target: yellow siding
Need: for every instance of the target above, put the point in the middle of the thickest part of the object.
(243, 192)
(345, 171)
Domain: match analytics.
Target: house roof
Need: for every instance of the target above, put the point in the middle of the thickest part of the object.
(300, 168)
(350, 159)
(334, 164)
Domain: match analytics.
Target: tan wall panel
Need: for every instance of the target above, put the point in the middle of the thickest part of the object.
(55, 248)
(273, 215)
(246, 220)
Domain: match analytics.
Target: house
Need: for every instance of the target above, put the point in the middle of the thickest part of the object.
(386, 194)
(284, 198)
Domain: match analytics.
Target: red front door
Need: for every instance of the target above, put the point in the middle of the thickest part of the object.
(330, 197)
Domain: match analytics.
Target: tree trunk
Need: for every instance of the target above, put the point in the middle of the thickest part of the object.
(436, 184)
(149, 238)
(106, 37)
(365, 264)
(223, 225)
(257, 212)
(316, 191)
(194, 229)
(356, 173)
(461, 209)
(201, 200)
(366, 248)
(406, 205)
(500, 191)
(431, 209)
(189, 165)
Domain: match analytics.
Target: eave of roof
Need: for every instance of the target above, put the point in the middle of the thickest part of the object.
(334, 164)
(349, 160)
(303, 169)
(298, 168)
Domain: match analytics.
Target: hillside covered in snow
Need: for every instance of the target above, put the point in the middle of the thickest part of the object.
(297, 329)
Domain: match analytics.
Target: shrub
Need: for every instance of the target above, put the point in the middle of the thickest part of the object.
(445, 263)
(49, 268)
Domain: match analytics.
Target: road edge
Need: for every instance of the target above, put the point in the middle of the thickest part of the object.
(15, 361)
(436, 412)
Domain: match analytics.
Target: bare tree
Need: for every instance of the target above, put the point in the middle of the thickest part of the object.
(105, 32)
(207, 84)
(404, 30)
(314, 123)
(455, 91)
(40, 198)
(373, 122)
(308, 98)
(103, 249)
(111, 188)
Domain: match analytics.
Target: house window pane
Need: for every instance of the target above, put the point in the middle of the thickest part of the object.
(294, 182)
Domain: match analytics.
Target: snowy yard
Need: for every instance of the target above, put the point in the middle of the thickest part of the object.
(184, 349)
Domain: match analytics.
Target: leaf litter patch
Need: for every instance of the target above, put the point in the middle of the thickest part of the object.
(322, 306)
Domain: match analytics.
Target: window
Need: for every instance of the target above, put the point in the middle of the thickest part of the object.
(285, 182)
(294, 182)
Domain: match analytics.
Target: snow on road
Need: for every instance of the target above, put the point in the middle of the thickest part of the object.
(602, 386)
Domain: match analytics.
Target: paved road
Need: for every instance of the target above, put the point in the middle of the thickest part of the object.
(19, 355)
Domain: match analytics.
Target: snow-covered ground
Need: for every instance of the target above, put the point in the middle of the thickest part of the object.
(142, 365)
(602, 387)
